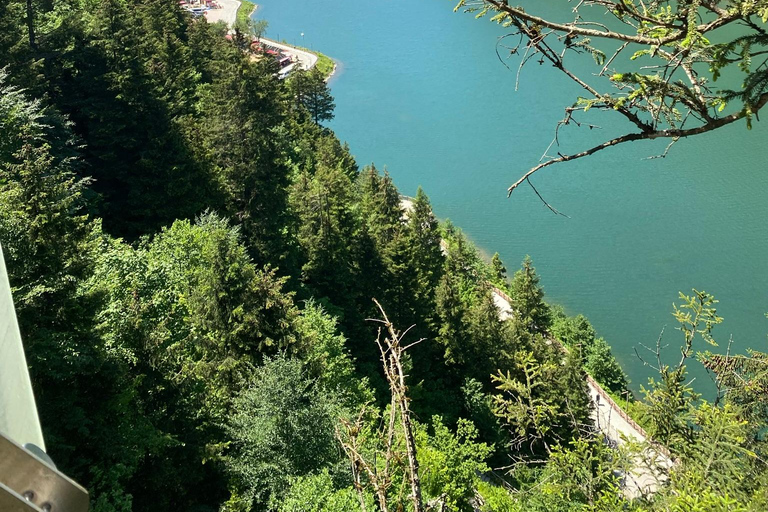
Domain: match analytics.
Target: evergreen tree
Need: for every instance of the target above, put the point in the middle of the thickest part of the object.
(80, 387)
(531, 312)
(426, 258)
(380, 205)
(311, 94)
(487, 338)
(242, 135)
(452, 333)
(322, 203)
(124, 84)
(498, 269)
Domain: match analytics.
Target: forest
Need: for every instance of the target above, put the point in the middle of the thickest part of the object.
(223, 311)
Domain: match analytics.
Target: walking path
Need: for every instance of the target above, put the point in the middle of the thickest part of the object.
(649, 470)
(616, 426)
(303, 59)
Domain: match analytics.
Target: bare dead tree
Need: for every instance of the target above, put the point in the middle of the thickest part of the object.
(392, 351)
(380, 476)
(672, 97)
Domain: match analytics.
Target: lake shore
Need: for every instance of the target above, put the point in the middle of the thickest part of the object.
(231, 11)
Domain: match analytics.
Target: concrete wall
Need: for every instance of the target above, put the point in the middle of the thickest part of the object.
(18, 413)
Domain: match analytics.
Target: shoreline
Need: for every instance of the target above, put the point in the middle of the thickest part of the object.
(318, 55)
(333, 72)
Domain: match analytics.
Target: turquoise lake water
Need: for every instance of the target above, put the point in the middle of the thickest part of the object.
(421, 92)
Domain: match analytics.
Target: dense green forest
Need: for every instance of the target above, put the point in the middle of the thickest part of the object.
(194, 261)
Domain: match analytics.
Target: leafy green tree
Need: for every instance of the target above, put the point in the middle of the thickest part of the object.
(603, 367)
(719, 457)
(479, 407)
(259, 28)
(191, 315)
(15, 52)
(573, 331)
(195, 301)
(578, 334)
(451, 464)
(497, 498)
(669, 401)
(742, 381)
(323, 349)
(282, 428)
(317, 493)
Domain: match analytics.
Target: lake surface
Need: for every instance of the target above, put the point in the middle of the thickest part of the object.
(421, 92)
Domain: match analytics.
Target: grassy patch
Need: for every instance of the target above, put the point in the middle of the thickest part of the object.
(244, 11)
(324, 63)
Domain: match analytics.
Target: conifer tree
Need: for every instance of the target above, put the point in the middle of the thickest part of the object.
(380, 204)
(322, 203)
(531, 312)
(499, 270)
(125, 84)
(243, 110)
(452, 333)
(426, 258)
(80, 387)
(311, 94)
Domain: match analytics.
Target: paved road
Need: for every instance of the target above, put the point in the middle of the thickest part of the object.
(609, 418)
(617, 427)
(227, 13)
(301, 58)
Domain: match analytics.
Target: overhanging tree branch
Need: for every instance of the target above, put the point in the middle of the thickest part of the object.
(630, 137)
(672, 96)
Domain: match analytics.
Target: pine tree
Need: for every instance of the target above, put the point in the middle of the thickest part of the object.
(322, 203)
(499, 270)
(531, 312)
(452, 333)
(84, 394)
(426, 257)
(126, 83)
(311, 94)
(242, 112)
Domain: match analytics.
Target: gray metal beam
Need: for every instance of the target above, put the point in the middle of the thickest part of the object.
(18, 412)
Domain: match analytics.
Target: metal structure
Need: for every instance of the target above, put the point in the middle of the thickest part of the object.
(29, 481)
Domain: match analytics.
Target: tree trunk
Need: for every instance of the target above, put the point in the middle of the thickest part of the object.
(31, 25)
(410, 443)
